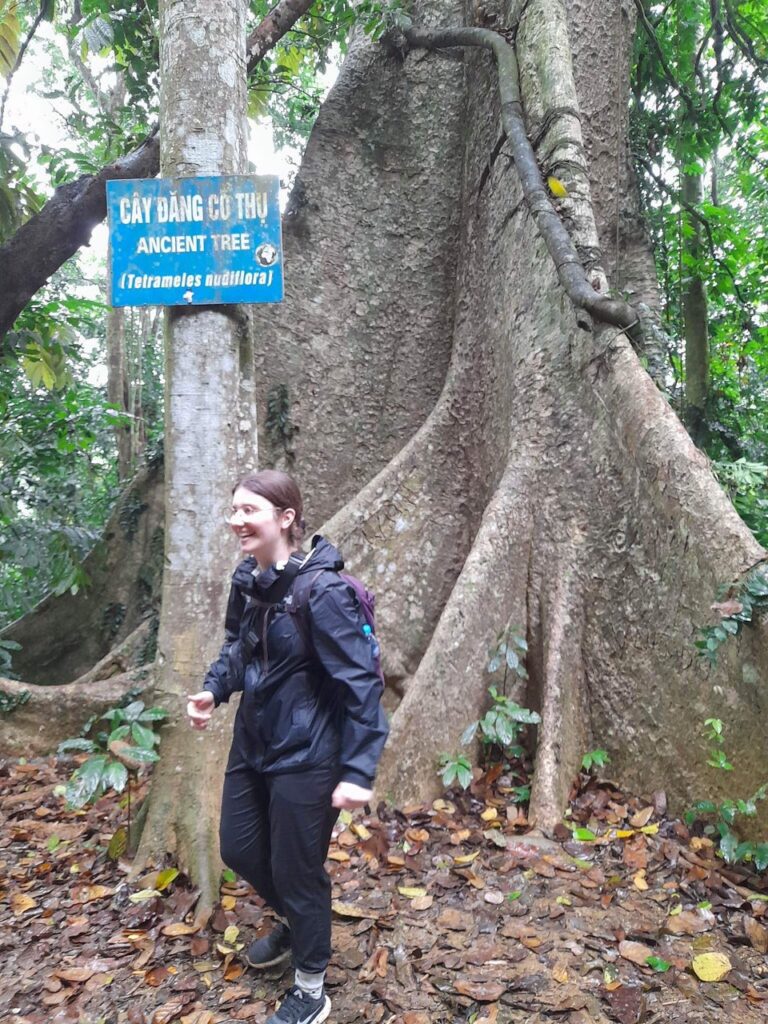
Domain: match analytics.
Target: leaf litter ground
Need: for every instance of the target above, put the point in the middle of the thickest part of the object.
(443, 913)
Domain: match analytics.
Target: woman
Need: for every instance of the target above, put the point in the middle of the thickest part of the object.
(308, 732)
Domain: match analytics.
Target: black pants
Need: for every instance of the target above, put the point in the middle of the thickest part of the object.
(275, 831)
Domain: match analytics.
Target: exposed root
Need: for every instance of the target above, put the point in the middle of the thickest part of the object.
(56, 713)
(561, 701)
(449, 688)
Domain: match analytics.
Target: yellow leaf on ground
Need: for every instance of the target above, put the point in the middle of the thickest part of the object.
(489, 814)
(230, 934)
(142, 895)
(639, 880)
(338, 855)
(650, 830)
(166, 877)
(228, 902)
(361, 831)
(88, 893)
(411, 891)
(466, 858)
(701, 843)
(179, 928)
(711, 966)
(625, 833)
(20, 903)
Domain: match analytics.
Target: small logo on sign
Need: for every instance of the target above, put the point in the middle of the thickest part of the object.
(265, 255)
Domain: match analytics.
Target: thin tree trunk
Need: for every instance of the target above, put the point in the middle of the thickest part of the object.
(118, 384)
(209, 436)
(695, 314)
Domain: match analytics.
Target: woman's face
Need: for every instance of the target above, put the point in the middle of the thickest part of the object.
(259, 525)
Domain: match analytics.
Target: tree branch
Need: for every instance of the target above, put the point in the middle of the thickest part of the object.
(64, 224)
(570, 269)
(279, 21)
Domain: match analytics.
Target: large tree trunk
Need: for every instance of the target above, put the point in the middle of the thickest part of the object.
(550, 484)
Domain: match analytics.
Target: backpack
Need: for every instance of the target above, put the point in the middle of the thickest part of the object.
(297, 604)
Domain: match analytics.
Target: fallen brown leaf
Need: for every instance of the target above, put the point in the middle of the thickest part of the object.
(481, 991)
(636, 952)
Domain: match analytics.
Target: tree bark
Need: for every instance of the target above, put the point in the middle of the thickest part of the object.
(210, 434)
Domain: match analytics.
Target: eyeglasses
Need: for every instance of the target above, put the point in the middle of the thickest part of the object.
(249, 512)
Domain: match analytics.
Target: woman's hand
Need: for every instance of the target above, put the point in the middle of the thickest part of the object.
(200, 709)
(347, 795)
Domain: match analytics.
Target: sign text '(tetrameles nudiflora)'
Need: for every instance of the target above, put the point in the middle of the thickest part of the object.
(176, 209)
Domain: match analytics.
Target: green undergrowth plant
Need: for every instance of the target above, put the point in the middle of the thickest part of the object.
(7, 647)
(129, 741)
(594, 759)
(501, 728)
(721, 819)
(736, 604)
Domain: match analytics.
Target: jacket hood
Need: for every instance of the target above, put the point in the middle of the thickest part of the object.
(250, 580)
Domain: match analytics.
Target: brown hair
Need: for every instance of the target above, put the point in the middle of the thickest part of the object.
(283, 491)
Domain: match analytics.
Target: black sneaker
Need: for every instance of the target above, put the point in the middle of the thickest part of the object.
(271, 948)
(298, 1007)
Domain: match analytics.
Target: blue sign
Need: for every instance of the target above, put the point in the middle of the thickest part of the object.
(195, 241)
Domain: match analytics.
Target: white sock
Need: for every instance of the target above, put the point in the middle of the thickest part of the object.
(311, 983)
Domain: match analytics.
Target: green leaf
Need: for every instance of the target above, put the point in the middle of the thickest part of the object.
(116, 776)
(133, 710)
(728, 844)
(153, 715)
(143, 736)
(76, 744)
(658, 964)
(86, 781)
(144, 754)
(469, 734)
(584, 835)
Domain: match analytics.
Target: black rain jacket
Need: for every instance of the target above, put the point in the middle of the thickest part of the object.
(301, 708)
